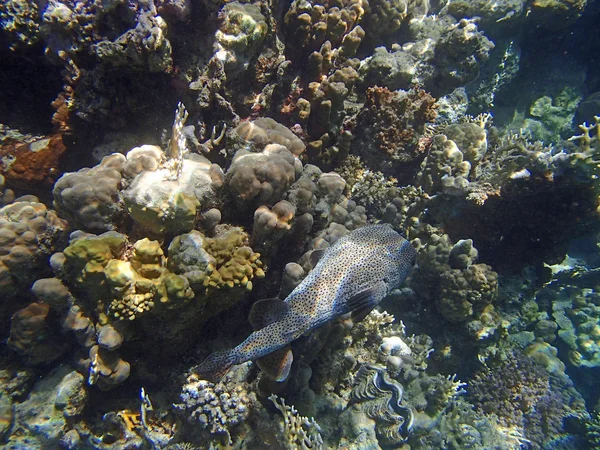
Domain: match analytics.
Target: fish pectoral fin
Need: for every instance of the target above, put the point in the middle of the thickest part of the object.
(362, 299)
(315, 256)
(277, 365)
(267, 311)
(361, 304)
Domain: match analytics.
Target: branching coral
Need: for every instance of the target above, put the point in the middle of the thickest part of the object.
(216, 407)
(299, 432)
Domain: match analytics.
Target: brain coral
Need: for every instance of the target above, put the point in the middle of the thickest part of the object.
(89, 198)
(256, 179)
(28, 234)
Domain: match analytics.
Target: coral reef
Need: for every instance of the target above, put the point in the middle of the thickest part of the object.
(453, 122)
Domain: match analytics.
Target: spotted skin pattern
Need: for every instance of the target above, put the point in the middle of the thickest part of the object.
(359, 270)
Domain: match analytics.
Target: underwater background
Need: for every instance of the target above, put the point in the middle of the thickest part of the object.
(167, 164)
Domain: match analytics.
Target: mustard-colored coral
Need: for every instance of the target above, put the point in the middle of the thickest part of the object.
(138, 285)
(236, 263)
(129, 287)
(87, 257)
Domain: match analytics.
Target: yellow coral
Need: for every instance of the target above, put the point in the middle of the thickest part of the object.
(144, 281)
(236, 263)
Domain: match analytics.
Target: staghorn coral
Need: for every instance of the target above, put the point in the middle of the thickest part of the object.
(299, 432)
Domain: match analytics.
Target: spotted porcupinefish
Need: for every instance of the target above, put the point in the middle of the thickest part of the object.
(352, 276)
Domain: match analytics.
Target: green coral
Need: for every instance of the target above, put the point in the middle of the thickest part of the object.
(550, 117)
(87, 256)
(577, 313)
(592, 431)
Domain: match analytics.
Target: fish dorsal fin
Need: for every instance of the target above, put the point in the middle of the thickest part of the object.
(362, 303)
(277, 365)
(267, 311)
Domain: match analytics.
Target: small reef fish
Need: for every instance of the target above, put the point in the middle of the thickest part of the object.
(352, 276)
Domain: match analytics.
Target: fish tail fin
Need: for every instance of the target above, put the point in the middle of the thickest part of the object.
(216, 365)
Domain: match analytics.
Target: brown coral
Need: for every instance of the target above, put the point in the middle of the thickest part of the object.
(390, 127)
(30, 335)
(32, 166)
